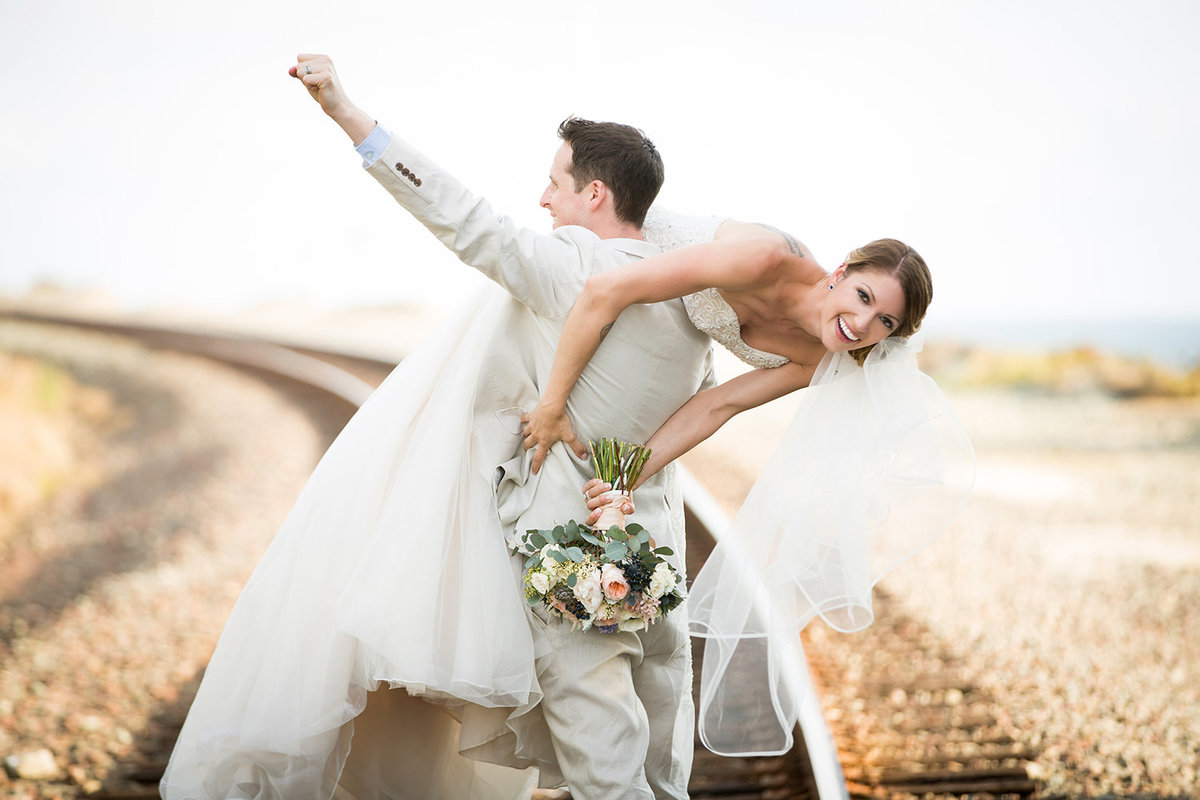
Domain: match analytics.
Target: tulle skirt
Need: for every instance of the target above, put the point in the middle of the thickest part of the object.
(390, 571)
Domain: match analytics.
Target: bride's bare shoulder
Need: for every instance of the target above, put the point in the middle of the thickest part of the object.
(736, 229)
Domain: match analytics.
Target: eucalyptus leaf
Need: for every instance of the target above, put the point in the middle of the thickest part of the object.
(533, 561)
(558, 555)
(571, 580)
(533, 601)
(575, 554)
(588, 537)
(663, 551)
(572, 530)
(559, 533)
(616, 551)
(634, 529)
(537, 540)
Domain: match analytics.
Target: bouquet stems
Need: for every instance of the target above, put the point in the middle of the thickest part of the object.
(618, 463)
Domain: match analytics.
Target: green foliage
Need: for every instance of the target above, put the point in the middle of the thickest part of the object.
(670, 601)
(586, 533)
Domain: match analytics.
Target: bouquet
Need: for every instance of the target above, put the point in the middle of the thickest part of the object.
(610, 577)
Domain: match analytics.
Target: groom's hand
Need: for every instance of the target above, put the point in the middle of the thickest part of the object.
(543, 427)
(318, 76)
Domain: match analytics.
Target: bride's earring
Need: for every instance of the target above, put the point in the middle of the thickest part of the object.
(831, 287)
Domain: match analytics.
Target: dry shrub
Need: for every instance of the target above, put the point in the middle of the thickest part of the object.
(45, 419)
(1078, 370)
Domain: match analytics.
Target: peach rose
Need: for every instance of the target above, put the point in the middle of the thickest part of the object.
(614, 583)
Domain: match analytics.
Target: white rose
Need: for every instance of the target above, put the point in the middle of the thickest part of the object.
(540, 581)
(554, 570)
(589, 592)
(661, 581)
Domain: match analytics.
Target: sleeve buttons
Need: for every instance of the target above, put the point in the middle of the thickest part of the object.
(408, 173)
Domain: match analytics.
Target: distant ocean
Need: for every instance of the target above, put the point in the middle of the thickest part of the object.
(1172, 343)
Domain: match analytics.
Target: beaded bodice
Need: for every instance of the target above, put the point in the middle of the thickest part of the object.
(707, 309)
(709, 312)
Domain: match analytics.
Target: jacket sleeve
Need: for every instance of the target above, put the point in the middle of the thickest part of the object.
(544, 271)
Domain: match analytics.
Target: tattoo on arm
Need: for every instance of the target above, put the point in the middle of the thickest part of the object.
(793, 243)
(604, 331)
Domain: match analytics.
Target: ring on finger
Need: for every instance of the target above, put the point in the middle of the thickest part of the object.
(307, 69)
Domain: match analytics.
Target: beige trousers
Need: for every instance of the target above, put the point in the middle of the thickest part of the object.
(619, 707)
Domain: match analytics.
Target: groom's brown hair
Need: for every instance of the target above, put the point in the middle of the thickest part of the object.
(620, 157)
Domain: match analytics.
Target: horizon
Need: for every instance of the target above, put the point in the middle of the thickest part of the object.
(1172, 342)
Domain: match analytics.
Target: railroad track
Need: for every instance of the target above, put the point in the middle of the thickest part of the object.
(965, 757)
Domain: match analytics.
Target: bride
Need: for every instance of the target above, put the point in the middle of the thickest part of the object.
(874, 465)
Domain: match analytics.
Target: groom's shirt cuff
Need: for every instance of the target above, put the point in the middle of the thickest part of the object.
(373, 146)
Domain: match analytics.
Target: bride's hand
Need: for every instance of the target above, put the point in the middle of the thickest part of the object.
(598, 495)
(543, 427)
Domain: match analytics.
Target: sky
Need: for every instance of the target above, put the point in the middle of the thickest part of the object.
(1040, 154)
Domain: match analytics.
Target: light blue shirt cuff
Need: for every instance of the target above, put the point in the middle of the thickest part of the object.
(373, 146)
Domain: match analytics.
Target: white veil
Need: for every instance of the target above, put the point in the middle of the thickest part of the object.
(873, 467)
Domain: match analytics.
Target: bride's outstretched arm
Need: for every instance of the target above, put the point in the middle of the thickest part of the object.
(702, 415)
(734, 264)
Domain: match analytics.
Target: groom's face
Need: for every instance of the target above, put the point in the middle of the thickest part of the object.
(566, 206)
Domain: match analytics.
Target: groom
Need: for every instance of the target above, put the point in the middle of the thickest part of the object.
(618, 706)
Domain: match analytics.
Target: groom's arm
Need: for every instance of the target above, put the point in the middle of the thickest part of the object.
(546, 272)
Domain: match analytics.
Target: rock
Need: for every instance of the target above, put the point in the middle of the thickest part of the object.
(36, 765)
(90, 723)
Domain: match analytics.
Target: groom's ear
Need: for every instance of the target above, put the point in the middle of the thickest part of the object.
(597, 194)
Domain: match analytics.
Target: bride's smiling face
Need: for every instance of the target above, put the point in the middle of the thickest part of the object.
(863, 308)
(566, 206)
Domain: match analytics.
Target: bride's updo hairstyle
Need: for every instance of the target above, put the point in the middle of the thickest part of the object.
(897, 259)
(619, 156)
